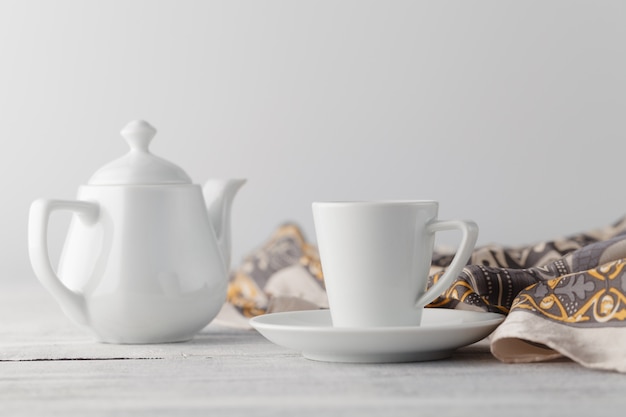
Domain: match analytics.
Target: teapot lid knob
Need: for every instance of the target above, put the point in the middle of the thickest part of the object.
(138, 134)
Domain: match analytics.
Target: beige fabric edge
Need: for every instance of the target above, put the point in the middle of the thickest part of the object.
(516, 339)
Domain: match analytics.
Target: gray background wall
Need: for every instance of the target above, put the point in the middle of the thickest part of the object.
(510, 113)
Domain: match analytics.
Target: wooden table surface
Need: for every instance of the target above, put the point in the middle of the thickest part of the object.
(50, 367)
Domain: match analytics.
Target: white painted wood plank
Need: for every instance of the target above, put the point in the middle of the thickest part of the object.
(227, 372)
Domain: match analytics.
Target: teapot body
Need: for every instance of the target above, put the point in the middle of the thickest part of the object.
(149, 268)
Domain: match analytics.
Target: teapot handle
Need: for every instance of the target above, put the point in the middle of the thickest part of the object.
(71, 301)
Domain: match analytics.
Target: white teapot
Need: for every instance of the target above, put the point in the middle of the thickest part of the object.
(145, 260)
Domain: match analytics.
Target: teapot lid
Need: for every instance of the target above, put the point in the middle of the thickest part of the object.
(139, 166)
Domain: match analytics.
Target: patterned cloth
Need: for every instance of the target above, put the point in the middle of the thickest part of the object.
(565, 297)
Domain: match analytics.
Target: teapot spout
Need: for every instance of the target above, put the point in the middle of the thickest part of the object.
(219, 195)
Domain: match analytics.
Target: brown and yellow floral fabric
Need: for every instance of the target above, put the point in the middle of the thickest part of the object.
(284, 271)
(496, 275)
(564, 297)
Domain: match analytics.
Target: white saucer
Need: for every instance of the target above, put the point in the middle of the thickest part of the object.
(311, 332)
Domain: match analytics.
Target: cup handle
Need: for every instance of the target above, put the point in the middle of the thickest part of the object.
(72, 302)
(463, 253)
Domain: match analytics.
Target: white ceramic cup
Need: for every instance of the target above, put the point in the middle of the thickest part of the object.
(376, 259)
